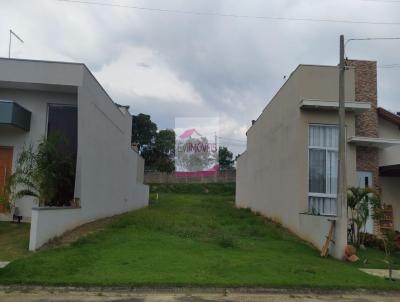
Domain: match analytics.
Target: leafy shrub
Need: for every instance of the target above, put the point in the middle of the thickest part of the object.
(4, 201)
(359, 202)
(371, 240)
(46, 173)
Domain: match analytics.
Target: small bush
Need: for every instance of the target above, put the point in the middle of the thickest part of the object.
(371, 240)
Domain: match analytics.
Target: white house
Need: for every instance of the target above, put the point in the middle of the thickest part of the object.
(39, 96)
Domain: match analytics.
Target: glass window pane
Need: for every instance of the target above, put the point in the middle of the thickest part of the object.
(332, 172)
(63, 120)
(323, 136)
(316, 136)
(332, 137)
(330, 206)
(317, 171)
(322, 206)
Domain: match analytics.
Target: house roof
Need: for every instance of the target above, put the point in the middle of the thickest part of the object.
(45, 75)
(389, 116)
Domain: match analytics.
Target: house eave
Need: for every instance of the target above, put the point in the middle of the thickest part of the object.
(351, 106)
(377, 142)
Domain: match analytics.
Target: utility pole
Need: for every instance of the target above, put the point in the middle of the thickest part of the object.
(341, 224)
(341, 194)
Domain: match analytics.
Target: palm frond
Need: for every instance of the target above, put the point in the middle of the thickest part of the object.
(26, 192)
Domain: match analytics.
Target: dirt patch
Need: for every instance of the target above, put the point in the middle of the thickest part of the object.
(86, 229)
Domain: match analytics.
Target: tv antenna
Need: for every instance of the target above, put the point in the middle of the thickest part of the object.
(9, 44)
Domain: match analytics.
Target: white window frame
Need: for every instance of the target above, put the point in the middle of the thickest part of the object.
(326, 149)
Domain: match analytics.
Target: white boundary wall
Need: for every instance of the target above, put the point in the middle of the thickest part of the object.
(50, 222)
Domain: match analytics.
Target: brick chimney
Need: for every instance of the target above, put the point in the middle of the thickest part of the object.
(366, 91)
(367, 122)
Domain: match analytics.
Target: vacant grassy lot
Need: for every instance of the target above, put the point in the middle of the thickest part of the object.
(192, 238)
(14, 240)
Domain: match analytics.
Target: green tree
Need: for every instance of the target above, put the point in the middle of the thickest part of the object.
(165, 163)
(46, 173)
(225, 158)
(360, 202)
(165, 142)
(143, 131)
(390, 246)
(165, 151)
(158, 148)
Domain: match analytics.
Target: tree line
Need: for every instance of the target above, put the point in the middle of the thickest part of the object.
(157, 147)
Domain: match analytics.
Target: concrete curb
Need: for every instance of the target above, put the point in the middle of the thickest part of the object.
(197, 290)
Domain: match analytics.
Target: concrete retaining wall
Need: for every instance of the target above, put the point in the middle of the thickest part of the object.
(50, 222)
(47, 223)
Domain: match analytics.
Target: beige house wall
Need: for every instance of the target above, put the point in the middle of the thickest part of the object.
(389, 156)
(272, 175)
(391, 195)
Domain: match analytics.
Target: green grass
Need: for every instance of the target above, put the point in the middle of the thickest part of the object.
(374, 258)
(190, 188)
(14, 240)
(189, 240)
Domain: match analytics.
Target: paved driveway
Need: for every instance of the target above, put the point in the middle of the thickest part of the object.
(66, 295)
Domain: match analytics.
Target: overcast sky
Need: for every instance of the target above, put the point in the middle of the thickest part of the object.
(176, 65)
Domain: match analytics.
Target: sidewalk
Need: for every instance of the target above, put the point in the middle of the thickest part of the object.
(37, 294)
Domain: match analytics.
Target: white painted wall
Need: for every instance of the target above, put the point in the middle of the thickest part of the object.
(47, 223)
(108, 164)
(391, 195)
(107, 167)
(272, 175)
(389, 156)
(36, 102)
(35, 73)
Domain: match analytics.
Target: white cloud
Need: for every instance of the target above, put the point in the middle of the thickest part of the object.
(141, 73)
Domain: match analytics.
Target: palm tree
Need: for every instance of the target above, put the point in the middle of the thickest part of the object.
(359, 202)
(40, 173)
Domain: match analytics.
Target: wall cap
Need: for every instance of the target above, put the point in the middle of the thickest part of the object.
(55, 208)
